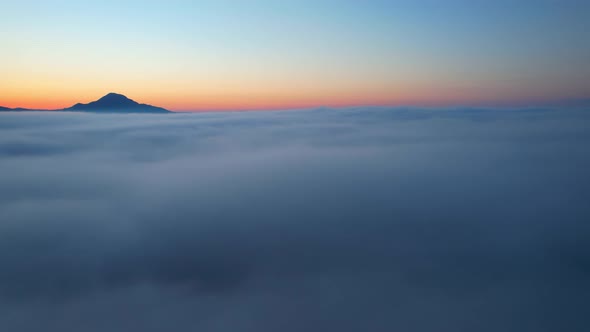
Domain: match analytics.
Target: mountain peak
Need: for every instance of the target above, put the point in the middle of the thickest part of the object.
(114, 96)
(115, 99)
(115, 102)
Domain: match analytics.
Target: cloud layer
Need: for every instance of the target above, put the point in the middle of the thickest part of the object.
(351, 220)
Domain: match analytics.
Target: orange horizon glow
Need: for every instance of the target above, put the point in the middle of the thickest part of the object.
(271, 102)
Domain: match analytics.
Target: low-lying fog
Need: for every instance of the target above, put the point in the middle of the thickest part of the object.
(324, 220)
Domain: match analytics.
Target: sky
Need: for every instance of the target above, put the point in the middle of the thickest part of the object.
(263, 54)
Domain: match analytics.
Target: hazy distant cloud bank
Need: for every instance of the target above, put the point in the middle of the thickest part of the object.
(351, 220)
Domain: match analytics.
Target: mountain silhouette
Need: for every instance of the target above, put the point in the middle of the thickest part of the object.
(116, 103)
(111, 103)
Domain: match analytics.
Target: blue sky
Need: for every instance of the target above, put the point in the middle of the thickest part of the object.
(272, 54)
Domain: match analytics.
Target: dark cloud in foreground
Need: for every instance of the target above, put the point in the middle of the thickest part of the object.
(352, 220)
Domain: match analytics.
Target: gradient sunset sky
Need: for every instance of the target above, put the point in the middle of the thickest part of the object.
(193, 55)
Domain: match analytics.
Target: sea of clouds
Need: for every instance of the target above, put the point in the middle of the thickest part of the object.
(323, 220)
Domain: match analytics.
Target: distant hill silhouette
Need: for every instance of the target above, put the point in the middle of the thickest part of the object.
(7, 109)
(116, 103)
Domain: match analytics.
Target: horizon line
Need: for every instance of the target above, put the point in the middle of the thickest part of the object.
(575, 101)
(311, 108)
